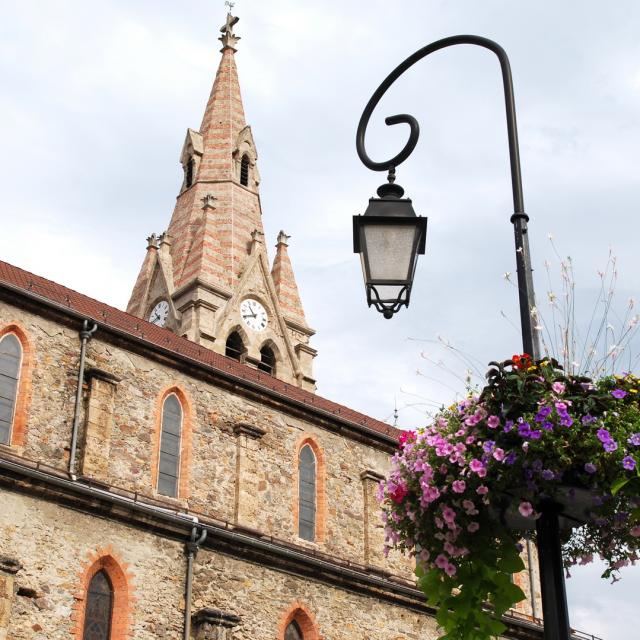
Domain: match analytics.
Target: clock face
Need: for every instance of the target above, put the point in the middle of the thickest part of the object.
(253, 314)
(160, 313)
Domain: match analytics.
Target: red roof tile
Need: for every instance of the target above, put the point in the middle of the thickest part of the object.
(153, 335)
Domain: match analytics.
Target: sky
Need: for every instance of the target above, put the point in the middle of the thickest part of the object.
(96, 99)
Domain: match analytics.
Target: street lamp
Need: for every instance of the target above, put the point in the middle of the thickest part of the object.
(389, 237)
(388, 250)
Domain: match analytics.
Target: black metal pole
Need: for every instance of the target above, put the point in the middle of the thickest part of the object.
(554, 600)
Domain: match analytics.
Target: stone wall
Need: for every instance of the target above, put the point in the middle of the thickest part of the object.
(56, 546)
(119, 440)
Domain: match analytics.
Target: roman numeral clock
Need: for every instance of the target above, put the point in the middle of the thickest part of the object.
(253, 314)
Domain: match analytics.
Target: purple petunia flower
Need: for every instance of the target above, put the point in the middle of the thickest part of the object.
(634, 440)
(587, 419)
(628, 463)
(508, 426)
(547, 474)
(488, 446)
(603, 435)
(610, 446)
(590, 467)
(566, 421)
(619, 393)
(535, 434)
(547, 426)
(543, 413)
(511, 458)
(524, 429)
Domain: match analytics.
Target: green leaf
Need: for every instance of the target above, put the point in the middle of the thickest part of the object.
(618, 484)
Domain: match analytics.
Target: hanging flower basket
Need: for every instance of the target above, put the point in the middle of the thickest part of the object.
(462, 492)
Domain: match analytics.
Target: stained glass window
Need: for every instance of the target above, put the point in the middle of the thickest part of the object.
(293, 631)
(169, 464)
(307, 493)
(99, 608)
(10, 358)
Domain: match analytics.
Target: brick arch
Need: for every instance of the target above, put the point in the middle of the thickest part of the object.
(186, 437)
(106, 560)
(301, 614)
(23, 397)
(321, 477)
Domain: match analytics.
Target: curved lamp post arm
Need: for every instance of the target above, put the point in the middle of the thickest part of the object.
(519, 217)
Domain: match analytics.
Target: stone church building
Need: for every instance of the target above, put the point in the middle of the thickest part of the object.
(169, 471)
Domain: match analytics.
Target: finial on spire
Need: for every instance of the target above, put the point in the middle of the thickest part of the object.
(283, 238)
(228, 38)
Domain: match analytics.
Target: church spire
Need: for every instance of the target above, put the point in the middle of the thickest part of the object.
(212, 262)
(285, 282)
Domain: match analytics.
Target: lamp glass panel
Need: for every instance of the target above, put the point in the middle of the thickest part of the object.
(390, 250)
(390, 292)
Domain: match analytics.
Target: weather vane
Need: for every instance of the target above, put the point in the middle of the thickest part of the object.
(230, 5)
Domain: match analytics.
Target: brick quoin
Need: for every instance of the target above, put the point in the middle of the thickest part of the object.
(23, 397)
(186, 435)
(106, 560)
(321, 474)
(301, 614)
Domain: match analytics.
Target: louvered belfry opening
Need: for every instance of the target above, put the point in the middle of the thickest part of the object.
(267, 361)
(234, 347)
(307, 494)
(99, 608)
(293, 631)
(189, 172)
(244, 170)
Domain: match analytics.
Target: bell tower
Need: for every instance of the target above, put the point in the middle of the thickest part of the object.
(208, 276)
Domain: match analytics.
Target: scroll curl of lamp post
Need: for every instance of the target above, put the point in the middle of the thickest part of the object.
(390, 236)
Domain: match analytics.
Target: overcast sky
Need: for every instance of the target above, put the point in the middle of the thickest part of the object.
(96, 99)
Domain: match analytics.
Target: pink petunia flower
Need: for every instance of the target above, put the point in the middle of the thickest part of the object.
(472, 527)
(558, 387)
(493, 422)
(525, 509)
(498, 454)
(459, 486)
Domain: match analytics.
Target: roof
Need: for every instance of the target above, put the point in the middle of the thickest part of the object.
(106, 316)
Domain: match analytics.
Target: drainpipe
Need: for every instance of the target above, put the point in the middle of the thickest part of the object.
(532, 582)
(191, 549)
(85, 335)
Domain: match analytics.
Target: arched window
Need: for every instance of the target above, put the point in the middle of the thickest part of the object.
(307, 493)
(293, 631)
(234, 347)
(267, 361)
(169, 459)
(244, 170)
(99, 608)
(10, 361)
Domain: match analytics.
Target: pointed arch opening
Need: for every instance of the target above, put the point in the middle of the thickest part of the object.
(298, 624)
(171, 453)
(234, 347)
(309, 506)
(102, 609)
(267, 360)
(10, 363)
(170, 446)
(98, 608)
(244, 170)
(15, 384)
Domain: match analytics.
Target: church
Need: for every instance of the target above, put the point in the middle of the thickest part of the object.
(169, 471)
